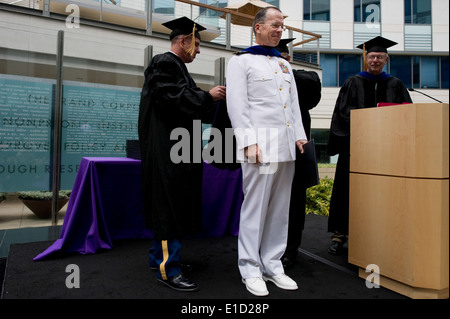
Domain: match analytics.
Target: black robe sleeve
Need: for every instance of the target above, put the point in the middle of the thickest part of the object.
(340, 121)
(309, 90)
(173, 93)
(225, 157)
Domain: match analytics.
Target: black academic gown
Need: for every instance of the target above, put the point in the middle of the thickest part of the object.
(359, 91)
(309, 90)
(171, 100)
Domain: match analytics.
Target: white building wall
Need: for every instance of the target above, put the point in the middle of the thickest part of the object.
(440, 29)
(321, 114)
(294, 12)
(341, 24)
(392, 22)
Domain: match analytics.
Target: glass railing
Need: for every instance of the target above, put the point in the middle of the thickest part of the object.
(134, 14)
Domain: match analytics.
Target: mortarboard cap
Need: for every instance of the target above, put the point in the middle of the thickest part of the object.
(183, 26)
(282, 45)
(377, 44)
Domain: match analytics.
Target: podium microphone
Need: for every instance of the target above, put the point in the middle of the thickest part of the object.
(414, 90)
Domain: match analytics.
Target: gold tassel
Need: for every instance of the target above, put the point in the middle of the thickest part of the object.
(364, 58)
(191, 49)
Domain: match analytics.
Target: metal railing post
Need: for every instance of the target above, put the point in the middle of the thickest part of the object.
(291, 45)
(149, 30)
(228, 31)
(46, 8)
(219, 72)
(148, 54)
(56, 163)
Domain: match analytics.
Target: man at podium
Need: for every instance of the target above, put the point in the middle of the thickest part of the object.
(366, 89)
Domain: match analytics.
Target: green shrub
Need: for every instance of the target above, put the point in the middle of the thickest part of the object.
(3, 196)
(318, 197)
(326, 165)
(43, 194)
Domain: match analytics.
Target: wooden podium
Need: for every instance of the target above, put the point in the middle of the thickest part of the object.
(399, 190)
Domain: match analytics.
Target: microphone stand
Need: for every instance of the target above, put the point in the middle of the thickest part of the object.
(414, 90)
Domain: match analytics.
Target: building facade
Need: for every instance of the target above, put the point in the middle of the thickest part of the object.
(420, 59)
(107, 44)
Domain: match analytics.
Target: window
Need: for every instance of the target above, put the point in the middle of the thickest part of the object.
(444, 72)
(427, 72)
(306, 57)
(164, 6)
(400, 67)
(418, 11)
(367, 11)
(349, 64)
(318, 10)
(338, 67)
(415, 71)
(215, 3)
(275, 3)
(328, 63)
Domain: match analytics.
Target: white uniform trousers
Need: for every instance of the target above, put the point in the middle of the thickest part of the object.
(263, 226)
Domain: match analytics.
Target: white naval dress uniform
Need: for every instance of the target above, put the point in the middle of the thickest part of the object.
(263, 107)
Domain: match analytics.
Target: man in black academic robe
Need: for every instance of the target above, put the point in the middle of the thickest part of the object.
(309, 90)
(363, 90)
(171, 109)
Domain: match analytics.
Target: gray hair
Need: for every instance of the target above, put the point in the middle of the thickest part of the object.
(260, 16)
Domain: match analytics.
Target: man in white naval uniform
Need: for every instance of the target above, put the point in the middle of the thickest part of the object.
(262, 105)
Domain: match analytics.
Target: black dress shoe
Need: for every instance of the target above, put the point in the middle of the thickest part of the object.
(337, 242)
(179, 283)
(336, 248)
(287, 261)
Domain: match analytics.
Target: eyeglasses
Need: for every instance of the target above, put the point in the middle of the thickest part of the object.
(276, 26)
(379, 57)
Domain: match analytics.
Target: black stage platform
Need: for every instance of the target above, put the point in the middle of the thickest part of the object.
(123, 272)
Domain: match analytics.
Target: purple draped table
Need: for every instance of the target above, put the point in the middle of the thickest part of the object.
(106, 205)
